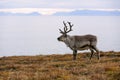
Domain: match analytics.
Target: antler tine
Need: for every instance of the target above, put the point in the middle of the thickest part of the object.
(70, 24)
(70, 27)
(61, 31)
(65, 27)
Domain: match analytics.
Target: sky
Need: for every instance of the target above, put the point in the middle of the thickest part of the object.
(52, 6)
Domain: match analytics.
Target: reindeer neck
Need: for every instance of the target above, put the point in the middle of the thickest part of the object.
(69, 41)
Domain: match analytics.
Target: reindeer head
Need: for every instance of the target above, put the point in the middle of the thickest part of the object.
(64, 32)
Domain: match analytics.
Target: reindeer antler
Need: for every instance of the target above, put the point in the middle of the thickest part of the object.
(66, 28)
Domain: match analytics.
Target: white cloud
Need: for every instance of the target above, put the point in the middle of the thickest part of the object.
(43, 11)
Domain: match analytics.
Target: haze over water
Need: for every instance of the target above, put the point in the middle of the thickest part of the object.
(35, 35)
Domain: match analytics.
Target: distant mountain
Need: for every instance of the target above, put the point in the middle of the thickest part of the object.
(88, 13)
(34, 14)
(19, 14)
(72, 13)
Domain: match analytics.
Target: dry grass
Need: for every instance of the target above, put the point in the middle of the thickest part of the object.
(61, 67)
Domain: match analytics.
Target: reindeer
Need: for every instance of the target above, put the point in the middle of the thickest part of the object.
(81, 42)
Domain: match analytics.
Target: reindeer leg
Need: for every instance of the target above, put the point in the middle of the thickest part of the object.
(74, 54)
(92, 51)
(97, 51)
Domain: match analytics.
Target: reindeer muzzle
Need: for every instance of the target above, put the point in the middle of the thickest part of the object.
(58, 39)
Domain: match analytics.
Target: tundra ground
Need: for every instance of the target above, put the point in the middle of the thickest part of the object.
(61, 67)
